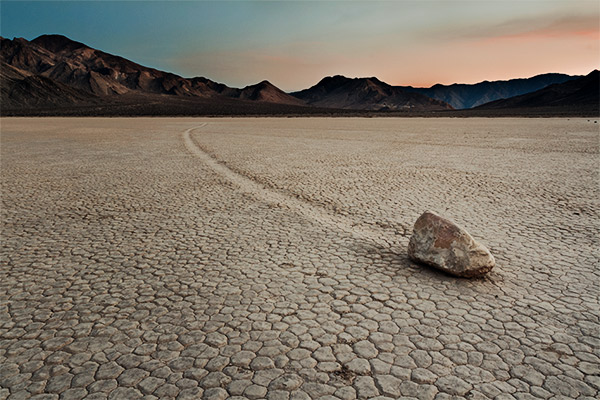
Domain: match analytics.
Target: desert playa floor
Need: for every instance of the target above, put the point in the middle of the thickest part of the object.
(266, 258)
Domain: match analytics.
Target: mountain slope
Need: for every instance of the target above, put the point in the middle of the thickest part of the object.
(462, 96)
(365, 94)
(578, 93)
(91, 70)
(20, 89)
(81, 67)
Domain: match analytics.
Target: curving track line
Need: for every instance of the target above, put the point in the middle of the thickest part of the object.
(271, 196)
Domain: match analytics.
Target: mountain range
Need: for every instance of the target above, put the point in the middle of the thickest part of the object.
(101, 74)
(53, 74)
(463, 96)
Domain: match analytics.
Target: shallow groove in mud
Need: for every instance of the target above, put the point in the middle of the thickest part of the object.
(271, 196)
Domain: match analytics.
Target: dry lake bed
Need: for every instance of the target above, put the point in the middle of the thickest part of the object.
(266, 258)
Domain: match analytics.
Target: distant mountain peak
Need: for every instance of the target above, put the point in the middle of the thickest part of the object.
(267, 92)
(265, 83)
(365, 94)
(57, 43)
(335, 79)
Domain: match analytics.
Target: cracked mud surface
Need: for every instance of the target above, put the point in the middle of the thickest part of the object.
(266, 258)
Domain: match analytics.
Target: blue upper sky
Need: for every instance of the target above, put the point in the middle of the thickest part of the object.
(296, 43)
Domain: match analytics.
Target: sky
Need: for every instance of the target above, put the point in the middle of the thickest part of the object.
(294, 44)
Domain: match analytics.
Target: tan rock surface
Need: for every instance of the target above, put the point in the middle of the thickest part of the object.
(441, 243)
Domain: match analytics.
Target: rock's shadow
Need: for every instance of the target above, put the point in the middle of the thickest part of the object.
(396, 263)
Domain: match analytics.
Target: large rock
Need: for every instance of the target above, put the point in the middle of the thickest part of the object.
(442, 244)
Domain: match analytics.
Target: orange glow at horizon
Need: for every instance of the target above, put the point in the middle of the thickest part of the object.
(576, 52)
(462, 60)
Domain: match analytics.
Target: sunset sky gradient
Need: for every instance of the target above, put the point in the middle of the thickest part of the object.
(294, 44)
